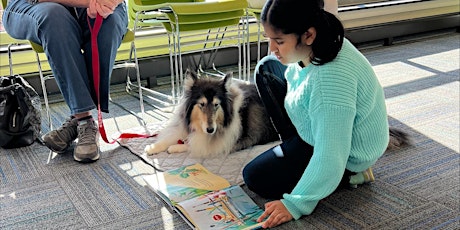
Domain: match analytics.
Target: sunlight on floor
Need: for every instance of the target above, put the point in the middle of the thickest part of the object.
(443, 61)
(137, 169)
(167, 218)
(395, 73)
(439, 120)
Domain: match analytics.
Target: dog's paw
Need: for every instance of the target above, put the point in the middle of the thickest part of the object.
(179, 148)
(153, 149)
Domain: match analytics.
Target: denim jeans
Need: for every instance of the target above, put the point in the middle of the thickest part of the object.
(65, 36)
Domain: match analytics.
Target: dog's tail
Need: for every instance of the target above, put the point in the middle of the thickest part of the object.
(398, 139)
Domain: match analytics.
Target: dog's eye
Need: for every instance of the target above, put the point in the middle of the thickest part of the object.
(216, 106)
(201, 104)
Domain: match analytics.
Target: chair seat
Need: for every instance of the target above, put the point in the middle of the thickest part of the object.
(129, 36)
(36, 47)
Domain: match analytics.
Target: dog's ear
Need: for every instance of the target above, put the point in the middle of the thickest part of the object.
(228, 80)
(190, 78)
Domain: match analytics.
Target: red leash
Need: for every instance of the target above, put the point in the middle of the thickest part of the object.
(96, 77)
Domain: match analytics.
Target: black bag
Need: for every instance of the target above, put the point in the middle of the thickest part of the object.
(20, 116)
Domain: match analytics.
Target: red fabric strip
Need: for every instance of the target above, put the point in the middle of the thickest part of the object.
(96, 79)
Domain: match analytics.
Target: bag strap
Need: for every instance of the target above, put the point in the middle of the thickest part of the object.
(96, 79)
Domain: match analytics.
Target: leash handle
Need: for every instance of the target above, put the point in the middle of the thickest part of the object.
(96, 80)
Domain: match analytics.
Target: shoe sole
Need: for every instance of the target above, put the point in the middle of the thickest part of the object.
(86, 160)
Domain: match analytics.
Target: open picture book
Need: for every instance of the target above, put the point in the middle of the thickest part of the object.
(205, 200)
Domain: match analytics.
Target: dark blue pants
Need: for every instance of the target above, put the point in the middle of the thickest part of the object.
(269, 175)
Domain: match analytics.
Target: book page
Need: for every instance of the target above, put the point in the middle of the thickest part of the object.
(185, 182)
(230, 208)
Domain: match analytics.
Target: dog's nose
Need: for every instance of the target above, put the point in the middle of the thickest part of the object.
(210, 130)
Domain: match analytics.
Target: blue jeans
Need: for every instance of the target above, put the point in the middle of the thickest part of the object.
(269, 174)
(65, 36)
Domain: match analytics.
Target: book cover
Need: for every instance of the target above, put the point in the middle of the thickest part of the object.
(205, 200)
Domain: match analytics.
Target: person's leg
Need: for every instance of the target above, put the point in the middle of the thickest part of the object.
(71, 68)
(272, 88)
(44, 24)
(55, 28)
(47, 22)
(277, 171)
(109, 37)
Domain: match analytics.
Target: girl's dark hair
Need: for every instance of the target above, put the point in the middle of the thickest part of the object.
(297, 16)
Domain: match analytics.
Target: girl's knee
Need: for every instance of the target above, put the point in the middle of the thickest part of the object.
(251, 176)
(247, 175)
(271, 68)
(267, 63)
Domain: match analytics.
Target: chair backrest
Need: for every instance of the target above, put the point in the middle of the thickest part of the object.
(205, 15)
(194, 15)
(144, 20)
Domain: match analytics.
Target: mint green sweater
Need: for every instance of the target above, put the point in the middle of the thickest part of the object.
(339, 108)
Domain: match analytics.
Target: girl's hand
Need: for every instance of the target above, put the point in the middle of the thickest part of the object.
(276, 213)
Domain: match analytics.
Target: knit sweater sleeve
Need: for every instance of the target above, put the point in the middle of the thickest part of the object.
(329, 107)
(333, 128)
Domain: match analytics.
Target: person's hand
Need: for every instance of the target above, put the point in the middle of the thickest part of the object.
(103, 7)
(110, 4)
(276, 213)
(91, 10)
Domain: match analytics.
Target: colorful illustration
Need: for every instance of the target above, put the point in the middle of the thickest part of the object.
(206, 200)
(230, 208)
(185, 172)
(185, 182)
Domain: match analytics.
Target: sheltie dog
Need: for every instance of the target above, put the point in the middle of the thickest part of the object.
(215, 116)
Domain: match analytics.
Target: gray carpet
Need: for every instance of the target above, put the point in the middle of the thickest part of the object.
(416, 188)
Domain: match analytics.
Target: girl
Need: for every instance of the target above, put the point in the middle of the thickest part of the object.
(326, 104)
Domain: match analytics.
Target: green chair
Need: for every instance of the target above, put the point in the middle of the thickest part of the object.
(196, 26)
